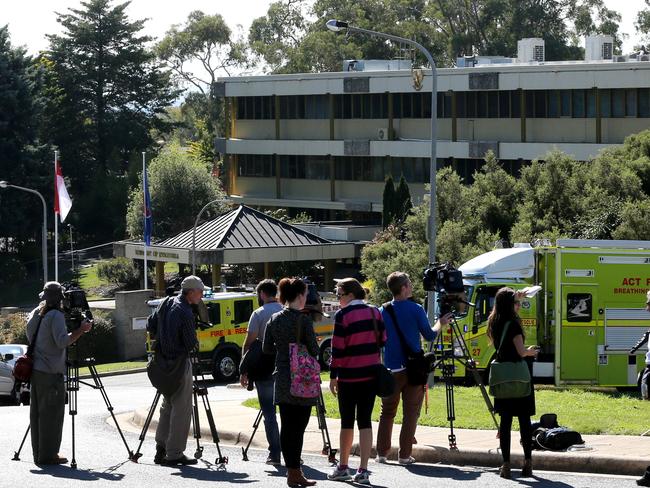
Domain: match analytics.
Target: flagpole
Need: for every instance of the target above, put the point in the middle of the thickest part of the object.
(144, 203)
(56, 225)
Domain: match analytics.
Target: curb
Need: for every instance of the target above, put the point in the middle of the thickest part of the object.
(542, 460)
(116, 373)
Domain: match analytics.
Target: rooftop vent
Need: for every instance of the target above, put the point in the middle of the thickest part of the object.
(376, 64)
(599, 48)
(530, 50)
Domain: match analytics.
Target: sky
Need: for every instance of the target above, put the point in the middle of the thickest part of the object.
(30, 20)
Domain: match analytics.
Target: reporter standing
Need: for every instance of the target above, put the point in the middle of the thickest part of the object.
(359, 335)
(281, 331)
(47, 333)
(505, 332)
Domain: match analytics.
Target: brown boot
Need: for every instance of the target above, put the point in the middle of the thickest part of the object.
(504, 471)
(296, 478)
(527, 468)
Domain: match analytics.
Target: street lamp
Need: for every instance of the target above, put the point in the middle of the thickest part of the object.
(196, 222)
(340, 26)
(4, 185)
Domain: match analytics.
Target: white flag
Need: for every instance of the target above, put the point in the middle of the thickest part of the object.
(62, 202)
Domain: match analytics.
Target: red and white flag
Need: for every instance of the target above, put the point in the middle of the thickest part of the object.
(62, 202)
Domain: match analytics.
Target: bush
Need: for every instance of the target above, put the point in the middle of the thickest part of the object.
(12, 270)
(100, 342)
(13, 329)
(119, 271)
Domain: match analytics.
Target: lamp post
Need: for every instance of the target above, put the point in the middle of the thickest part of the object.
(339, 26)
(3, 185)
(196, 222)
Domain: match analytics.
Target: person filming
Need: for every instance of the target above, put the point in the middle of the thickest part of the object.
(47, 332)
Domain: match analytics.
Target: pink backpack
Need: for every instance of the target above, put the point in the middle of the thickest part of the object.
(304, 368)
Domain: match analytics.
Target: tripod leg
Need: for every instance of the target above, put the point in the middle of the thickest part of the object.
(448, 373)
(73, 389)
(256, 424)
(322, 425)
(196, 425)
(145, 427)
(100, 386)
(17, 453)
(221, 460)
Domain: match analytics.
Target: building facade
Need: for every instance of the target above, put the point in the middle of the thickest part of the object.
(327, 141)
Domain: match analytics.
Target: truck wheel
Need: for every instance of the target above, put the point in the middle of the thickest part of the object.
(225, 367)
(325, 355)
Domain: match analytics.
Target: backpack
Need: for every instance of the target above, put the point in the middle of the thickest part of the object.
(155, 320)
(556, 439)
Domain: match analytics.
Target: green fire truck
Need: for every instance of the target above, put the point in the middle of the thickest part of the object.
(589, 313)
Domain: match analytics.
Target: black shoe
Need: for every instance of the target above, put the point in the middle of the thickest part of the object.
(645, 479)
(271, 461)
(183, 461)
(159, 458)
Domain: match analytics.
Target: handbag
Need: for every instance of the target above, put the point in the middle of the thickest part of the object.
(385, 379)
(166, 375)
(304, 369)
(509, 379)
(24, 365)
(418, 365)
(255, 363)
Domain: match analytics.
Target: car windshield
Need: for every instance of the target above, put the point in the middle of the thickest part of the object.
(9, 349)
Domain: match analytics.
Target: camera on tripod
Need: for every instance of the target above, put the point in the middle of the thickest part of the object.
(75, 306)
(447, 282)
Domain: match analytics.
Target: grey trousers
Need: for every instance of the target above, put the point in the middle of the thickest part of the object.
(46, 413)
(175, 414)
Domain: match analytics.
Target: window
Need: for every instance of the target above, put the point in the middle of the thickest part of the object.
(317, 107)
(461, 105)
(317, 168)
(214, 313)
(481, 104)
(630, 102)
(605, 103)
(644, 103)
(578, 102)
(618, 103)
(515, 104)
(484, 303)
(504, 104)
(565, 103)
(591, 103)
(292, 166)
(256, 165)
(493, 104)
(426, 105)
(530, 103)
(471, 105)
(540, 103)
(554, 103)
(243, 311)
(578, 307)
(347, 106)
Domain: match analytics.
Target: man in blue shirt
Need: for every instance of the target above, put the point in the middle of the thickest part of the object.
(177, 338)
(412, 322)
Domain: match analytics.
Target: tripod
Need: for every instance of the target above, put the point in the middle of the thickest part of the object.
(447, 368)
(198, 391)
(322, 425)
(72, 387)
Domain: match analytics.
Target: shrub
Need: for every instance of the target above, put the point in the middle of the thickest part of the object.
(100, 342)
(13, 329)
(119, 271)
(12, 270)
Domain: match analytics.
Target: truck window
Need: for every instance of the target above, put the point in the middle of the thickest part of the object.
(578, 307)
(243, 311)
(484, 303)
(214, 312)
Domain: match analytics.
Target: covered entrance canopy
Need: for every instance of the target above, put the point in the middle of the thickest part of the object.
(242, 236)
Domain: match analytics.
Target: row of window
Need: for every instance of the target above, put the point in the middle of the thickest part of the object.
(614, 103)
(415, 170)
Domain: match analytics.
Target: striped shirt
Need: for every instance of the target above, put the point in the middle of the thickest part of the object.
(355, 353)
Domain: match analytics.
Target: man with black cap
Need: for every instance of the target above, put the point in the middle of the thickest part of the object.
(47, 330)
(177, 339)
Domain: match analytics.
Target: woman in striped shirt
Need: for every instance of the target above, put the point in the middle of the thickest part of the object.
(359, 335)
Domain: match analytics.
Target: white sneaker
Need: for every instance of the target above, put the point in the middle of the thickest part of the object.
(381, 459)
(362, 478)
(339, 475)
(407, 461)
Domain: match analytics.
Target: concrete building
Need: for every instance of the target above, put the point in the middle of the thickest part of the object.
(325, 142)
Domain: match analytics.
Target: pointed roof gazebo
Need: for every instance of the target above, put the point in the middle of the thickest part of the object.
(241, 236)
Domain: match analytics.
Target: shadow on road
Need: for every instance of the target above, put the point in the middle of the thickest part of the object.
(453, 473)
(542, 483)
(212, 472)
(78, 474)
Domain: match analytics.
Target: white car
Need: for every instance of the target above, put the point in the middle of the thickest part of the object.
(8, 387)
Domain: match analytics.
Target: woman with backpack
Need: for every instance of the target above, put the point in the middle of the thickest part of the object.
(287, 332)
(359, 335)
(506, 334)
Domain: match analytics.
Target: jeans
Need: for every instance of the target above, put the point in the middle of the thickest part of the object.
(265, 396)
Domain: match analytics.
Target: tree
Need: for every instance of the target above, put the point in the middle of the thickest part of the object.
(179, 186)
(642, 24)
(22, 157)
(388, 202)
(403, 203)
(112, 95)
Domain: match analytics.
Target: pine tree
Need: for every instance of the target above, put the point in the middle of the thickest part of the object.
(388, 200)
(403, 201)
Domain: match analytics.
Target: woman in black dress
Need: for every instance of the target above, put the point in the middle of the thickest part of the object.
(504, 317)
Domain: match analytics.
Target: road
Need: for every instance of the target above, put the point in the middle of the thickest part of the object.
(102, 457)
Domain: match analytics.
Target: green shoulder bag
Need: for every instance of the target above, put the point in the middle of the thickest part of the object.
(509, 379)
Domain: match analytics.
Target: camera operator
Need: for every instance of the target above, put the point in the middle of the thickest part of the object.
(412, 322)
(177, 338)
(266, 294)
(46, 328)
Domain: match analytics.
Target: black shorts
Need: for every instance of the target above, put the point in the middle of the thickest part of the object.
(356, 399)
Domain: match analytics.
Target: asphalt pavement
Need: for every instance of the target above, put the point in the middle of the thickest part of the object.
(103, 459)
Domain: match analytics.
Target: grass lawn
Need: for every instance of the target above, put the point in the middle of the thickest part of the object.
(587, 412)
(112, 367)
